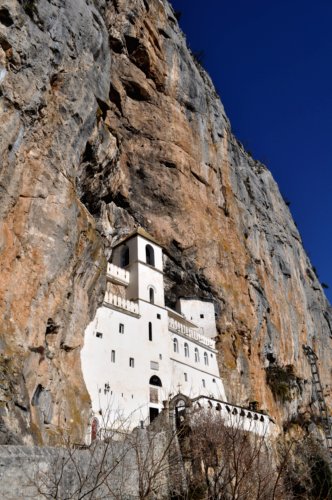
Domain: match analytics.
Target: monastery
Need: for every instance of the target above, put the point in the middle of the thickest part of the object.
(138, 353)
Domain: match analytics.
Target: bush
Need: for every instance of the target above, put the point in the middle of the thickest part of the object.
(282, 381)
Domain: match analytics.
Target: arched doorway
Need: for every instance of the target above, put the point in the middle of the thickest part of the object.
(124, 260)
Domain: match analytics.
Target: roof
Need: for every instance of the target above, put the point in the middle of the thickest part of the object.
(139, 231)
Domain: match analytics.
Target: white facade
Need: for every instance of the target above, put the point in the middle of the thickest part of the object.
(138, 353)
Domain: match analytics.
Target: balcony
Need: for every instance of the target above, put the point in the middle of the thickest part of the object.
(192, 333)
(117, 274)
(120, 303)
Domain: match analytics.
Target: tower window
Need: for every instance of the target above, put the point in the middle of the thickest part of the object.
(112, 356)
(201, 315)
(206, 358)
(150, 331)
(124, 258)
(151, 295)
(196, 355)
(131, 362)
(121, 328)
(203, 382)
(185, 377)
(158, 316)
(99, 335)
(175, 345)
(186, 350)
(149, 254)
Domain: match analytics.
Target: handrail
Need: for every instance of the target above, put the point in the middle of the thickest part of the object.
(121, 303)
(192, 333)
(118, 273)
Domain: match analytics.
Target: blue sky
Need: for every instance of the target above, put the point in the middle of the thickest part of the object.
(271, 64)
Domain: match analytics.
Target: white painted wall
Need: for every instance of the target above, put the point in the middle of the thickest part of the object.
(120, 394)
(194, 309)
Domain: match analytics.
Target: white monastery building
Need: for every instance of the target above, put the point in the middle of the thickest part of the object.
(138, 352)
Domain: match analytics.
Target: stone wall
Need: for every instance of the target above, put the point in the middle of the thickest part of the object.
(108, 470)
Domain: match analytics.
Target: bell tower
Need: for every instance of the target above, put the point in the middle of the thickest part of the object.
(141, 255)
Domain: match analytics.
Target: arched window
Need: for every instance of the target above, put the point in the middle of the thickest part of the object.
(196, 355)
(151, 295)
(149, 254)
(150, 331)
(175, 345)
(206, 358)
(186, 350)
(154, 380)
(124, 260)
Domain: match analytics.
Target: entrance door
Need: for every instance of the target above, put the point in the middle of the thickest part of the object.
(154, 412)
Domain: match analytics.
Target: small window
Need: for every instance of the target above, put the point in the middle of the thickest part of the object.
(99, 335)
(158, 316)
(214, 380)
(175, 345)
(206, 358)
(131, 362)
(151, 295)
(203, 382)
(112, 356)
(149, 253)
(185, 377)
(154, 365)
(196, 355)
(160, 356)
(201, 315)
(150, 331)
(186, 350)
(121, 328)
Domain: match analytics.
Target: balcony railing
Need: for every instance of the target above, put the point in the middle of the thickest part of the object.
(121, 303)
(176, 326)
(118, 274)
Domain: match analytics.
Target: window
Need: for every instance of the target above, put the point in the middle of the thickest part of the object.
(160, 356)
(150, 331)
(154, 365)
(196, 355)
(131, 362)
(206, 358)
(112, 356)
(185, 377)
(175, 345)
(186, 350)
(124, 259)
(154, 395)
(214, 380)
(99, 335)
(158, 316)
(149, 254)
(151, 295)
(121, 328)
(203, 382)
(201, 315)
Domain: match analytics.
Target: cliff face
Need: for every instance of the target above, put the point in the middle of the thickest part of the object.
(107, 122)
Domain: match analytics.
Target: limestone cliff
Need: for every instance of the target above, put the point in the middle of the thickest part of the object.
(108, 122)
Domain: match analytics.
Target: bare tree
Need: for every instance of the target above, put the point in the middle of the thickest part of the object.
(229, 462)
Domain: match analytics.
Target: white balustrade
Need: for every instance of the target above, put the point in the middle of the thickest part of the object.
(121, 303)
(194, 334)
(118, 274)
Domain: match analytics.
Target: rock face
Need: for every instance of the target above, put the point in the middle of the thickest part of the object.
(108, 122)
